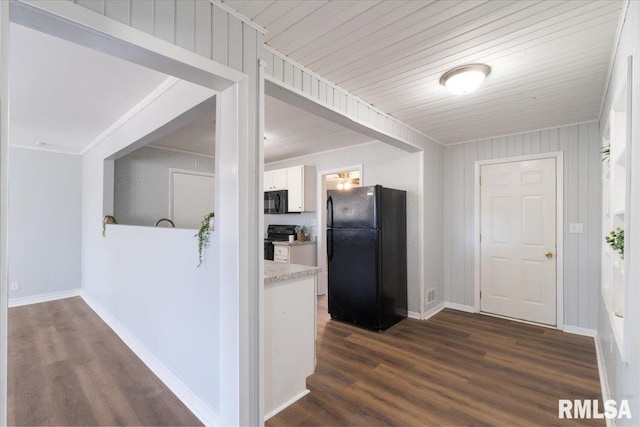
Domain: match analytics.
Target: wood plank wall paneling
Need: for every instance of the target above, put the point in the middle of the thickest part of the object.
(434, 259)
(196, 25)
(582, 201)
(293, 75)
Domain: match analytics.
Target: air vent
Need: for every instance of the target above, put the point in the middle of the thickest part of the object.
(431, 296)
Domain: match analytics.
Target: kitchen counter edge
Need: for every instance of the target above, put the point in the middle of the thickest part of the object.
(275, 272)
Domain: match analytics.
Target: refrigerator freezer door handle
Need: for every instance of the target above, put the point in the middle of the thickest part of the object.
(330, 245)
(330, 212)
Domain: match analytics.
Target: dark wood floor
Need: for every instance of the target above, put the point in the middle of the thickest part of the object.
(454, 369)
(67, 367)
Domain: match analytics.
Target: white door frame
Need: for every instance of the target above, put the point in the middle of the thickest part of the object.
(173, 171)
(321, 211)
(239, 168)
(558, 155)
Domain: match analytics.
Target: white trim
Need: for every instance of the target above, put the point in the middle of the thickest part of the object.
(414, 315)
(433, 311)
(285, 58)
(176, 150)
(459, 307)
(602, 373)
(146, 101)
(45, 149)
(576, 330)
(191, 400)
(614, 53)
(522, 132)
(259, 28)
(319, 153)
(286, 404)
(559, 157)
(303, 100)
(37, 299)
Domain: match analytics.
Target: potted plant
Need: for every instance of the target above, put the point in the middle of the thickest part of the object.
(301, 231)
(606, 153)
(108, 219)
(203, 235)
(615, 239)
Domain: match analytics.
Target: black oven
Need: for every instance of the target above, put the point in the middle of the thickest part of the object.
(276, 202)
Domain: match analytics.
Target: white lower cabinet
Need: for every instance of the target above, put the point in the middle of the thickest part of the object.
(303, 254)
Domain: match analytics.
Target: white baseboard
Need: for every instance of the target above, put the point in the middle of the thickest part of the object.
(433, 311)
(576, 330)
(460, 307)
(286, 404)
(602, 372)
(191, 400)
(35, 299)
(427, 314)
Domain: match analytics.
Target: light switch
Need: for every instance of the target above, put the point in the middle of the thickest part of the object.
(576, 228)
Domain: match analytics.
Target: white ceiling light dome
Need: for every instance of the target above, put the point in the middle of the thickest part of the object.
(465, 78)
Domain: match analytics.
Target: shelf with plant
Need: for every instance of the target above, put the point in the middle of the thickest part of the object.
(615, 239)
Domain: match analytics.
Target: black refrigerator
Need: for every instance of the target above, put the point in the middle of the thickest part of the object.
(367, 256)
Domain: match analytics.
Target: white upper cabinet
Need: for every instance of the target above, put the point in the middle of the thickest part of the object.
(301, 183)
(275, 180)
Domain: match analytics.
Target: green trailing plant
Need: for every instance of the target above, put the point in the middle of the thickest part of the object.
(108, 219)
(203, 236)
(615, 239)
(606, 153)
(301, 229)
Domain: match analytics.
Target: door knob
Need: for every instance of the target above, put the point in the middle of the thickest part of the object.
(548, 254)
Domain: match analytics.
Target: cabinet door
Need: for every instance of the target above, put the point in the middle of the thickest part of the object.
(295, 186)
(279, 179)
(268, 181)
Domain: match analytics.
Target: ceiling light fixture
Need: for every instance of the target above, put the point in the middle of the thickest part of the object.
(465, 78)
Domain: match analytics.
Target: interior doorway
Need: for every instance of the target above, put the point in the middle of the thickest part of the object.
(518, 240)
(334, 179)
(191, 196)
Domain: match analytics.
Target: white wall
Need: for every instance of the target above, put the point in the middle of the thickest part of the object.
(141, 189)
(384, 165)
(624, 377)
(170, 311)
(44, 222)
(582, 204)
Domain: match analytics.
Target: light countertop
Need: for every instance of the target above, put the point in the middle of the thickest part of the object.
(295, 243)
(279, 271)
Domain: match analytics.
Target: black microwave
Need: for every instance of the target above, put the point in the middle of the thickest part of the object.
(276, 202)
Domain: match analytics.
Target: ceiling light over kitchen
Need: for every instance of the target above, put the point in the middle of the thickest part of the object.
(464, 79)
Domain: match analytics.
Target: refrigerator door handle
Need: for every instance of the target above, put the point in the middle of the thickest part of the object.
(330, 212)
(330, 245)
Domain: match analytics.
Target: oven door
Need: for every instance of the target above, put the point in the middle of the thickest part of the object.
(276, 202)
(268, 250)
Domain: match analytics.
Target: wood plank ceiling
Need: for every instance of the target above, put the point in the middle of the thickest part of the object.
(549, 59)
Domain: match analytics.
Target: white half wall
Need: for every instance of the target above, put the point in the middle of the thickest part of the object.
(582, 204)
(171, 312)
(45, 191)
(141, 190)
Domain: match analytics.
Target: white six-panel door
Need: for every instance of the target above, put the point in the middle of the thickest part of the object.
(518, 240)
